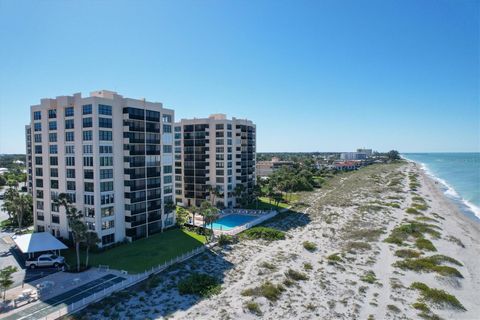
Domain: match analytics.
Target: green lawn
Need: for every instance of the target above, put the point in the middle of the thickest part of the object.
(143, 254)
(264, 204)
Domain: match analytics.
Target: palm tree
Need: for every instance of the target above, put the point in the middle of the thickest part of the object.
(210, 214)
(238, 191)
(214, 191)
(63, 201)
(193, 209)
(91, 240)
(23, 206)
(6, 280)
(168, 207)
(256, 193)
(78, 230)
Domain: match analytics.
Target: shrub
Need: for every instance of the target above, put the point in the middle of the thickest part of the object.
(425, 244)
(225, 239)
(253, 307)
(420, 206)
(200, 284)
(393, 308)
(407, 253)
(437, 296)
(307, 266)
(267, 289)
(310, 246)
(412, 211)
(421, 306)
(357, 245)
(393, 205)
(412, 229)
(296, 275)
(369, 277)
(333, 258)
(431, 264)
(264, 233)
(268, 265)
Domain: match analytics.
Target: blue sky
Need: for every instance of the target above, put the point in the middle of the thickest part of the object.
(313, 75)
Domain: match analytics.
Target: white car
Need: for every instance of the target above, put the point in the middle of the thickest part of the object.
(45, 260)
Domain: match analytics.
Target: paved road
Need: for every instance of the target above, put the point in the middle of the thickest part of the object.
(44, 308)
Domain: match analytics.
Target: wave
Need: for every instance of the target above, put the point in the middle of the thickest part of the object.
(449, 190)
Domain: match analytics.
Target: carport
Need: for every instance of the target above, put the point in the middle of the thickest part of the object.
(38, 242)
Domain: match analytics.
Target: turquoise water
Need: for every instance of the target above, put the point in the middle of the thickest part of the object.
(232, 221)
(458, 172)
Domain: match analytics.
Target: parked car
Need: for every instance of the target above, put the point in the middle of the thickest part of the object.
(45, 260)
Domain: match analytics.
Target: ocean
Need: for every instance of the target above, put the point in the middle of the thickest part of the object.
(459, 173)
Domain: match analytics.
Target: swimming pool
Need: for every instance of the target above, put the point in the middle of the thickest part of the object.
(232, 221)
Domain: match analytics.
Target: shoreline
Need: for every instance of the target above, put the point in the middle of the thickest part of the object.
(469, 209)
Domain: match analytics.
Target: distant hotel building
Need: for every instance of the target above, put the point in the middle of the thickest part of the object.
(112, 156)
(353, 156)
(266, 168)
(214, 151)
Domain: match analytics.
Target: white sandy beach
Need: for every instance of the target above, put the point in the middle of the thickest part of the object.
(349, 217)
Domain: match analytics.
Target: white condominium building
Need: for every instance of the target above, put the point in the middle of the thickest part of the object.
(111, 155)
(214, 152)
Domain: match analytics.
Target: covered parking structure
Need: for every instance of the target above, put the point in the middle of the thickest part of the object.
(38, 242)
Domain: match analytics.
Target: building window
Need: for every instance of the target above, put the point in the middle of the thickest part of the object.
(107, 212)
(167, 128)
(167, 149)
(106, 149)
(105, 122)
(105, 135)
(72, 197)
(53, 149)
(53, 161)
(87, 135)
(106, 161)
(88, 186)
(87, 122)
(108, 224)
(55, 219)
(106, 186)
(39, 205)
(54, 184)
(39, 183)
(39, 172)
(106, 173)
(90, 212)
(40, 216)
(167, 169)
(37, 126)
(71, 185)
(70, 149)
(87, 149)
(108, 239)
(38, 149)
(69, 136)
(89, 199)
(52, 125)
(88, 161)
(107, 198)
(68, 112)
(69, 124)
(37, 137)
(219, 126)
(52, 114)
(38, 160)
(167, 118)
(71, 173)
(88, 174)
(167, 179)
(70, 161)
(37, 115)
(87, 109)
(52, 137)
(105, 109)
(54, 172)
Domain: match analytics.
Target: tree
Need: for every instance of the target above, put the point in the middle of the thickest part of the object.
(256, 193)
(78, 230)
(91, 240)
(18, 206)
(6, 279)
(238, 192)
(210, 214)
(393, 155)
(214, 192)
(168, 207)
(193, 210)
(182, 216)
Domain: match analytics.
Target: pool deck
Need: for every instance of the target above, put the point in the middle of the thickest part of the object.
(261, 216)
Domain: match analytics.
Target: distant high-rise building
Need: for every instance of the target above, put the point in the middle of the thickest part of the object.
(353, 156)
(368, 152)
(112, 156)
(28, 157)
(214, 153)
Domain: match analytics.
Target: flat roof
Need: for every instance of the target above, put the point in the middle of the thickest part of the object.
(37, 242)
